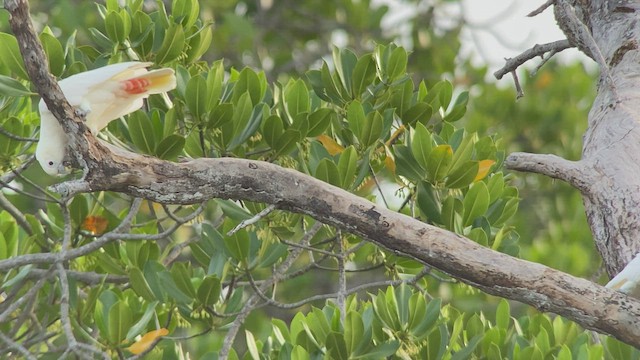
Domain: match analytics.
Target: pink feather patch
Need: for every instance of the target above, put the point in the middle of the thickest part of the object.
(136, 85)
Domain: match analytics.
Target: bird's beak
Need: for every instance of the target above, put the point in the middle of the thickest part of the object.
(64, 170)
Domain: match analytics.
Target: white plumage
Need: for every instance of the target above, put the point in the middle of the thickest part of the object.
(104, 94)
(628, 280)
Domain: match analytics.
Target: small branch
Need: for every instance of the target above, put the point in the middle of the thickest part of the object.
(15, 213)
(572, 172)
(342, 293)
(537, 50)
(254, 299)
(516, 81)
(14, 345)
(22, 299)
(13, 136)
(257, 217)
(542, 8)
(9, 176)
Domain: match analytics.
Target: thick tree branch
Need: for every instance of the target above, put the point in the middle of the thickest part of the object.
(572, 172)
(590, 305)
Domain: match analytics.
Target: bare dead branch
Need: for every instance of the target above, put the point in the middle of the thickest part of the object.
(516, 81)
(540, 9)
(537, 50)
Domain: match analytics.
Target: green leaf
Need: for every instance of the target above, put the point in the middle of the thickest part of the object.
(439, 162)
(170, 147)
(139, 284)
(319, 121)
(296, 98)
(238, 245)
(199, 44)
(464, 150)
(221, 115)
(428, 203)
(463, 176)
(333, 89)
(12, 87)
(172, 289)
(248, 82)
(54, 51)
(452, 208)
(119, 320)
(418, 113)
(503, 315)
(10, 55)
(287, 142)
(363, 75)
(356, 118)
(353, 331)
(117, 25)
(209, 290)
(406, 164)
(272, 130)
(459, 108)
(172, 44)
(141, 325)
(397, 63)
(421, 145)
(336, 346)
(196, 96)
(372, 129)
(215, 78)
(327, 171)
(468, 350)
(251, 126)
(347, 165)
(476, 203)
(182, 278)
(141, 132)
(345, 61)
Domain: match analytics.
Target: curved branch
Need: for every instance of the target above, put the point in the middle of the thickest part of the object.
(572, 172)
(537, 50)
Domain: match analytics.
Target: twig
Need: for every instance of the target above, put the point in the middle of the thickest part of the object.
(537, 50)
(411, 281)
(15, 213)
(257, 217)
(342, 279)
(11, 175)
(13, 136)
(21, 349)
(542, 8)
(254, 299)
(15, 305)
(516, 81)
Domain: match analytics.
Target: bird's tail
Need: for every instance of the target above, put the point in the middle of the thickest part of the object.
(152, 82)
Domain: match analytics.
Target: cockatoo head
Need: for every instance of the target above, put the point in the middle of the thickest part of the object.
(51, 161)
(51, 149)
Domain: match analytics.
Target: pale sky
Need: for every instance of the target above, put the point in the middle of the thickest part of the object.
(502, 29)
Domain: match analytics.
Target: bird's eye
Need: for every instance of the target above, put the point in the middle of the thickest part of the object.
(50, 163)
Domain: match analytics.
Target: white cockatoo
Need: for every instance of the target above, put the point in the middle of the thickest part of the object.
(628, 280)
(104, 94)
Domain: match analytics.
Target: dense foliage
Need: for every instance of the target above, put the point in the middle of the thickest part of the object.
(374, 118)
